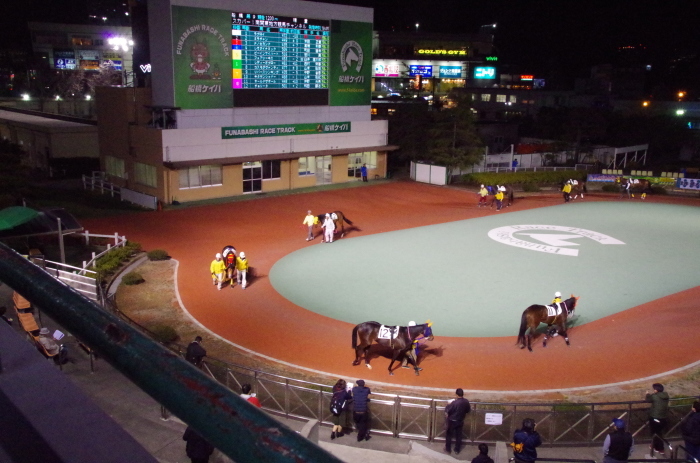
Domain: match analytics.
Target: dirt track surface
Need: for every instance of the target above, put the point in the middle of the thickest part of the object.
(647, 340)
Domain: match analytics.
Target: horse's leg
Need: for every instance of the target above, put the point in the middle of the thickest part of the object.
(529, 340)
(544, 341)
(393, 359)
(367, 357)
(562, 328)
(358, 355)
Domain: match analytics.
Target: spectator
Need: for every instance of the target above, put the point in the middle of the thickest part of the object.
(218, 269)
(339, 405)
(242, 266)
(310, 220)
(195, 352)
(483, 456)
(245, 393)
(690, 429)
(454, 420)
(198, 449)
(657, 415)
(525, 442)
(360, 395)
(363, 171)
(617, 447)
(47, 342)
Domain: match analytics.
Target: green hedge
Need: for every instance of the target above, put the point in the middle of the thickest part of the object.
(110, 262)
(133, 278)
(524, 178)
(158, 254)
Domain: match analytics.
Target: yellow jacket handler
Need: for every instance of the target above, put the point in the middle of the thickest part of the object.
(218, 270)
(566, 190)
(241, 269)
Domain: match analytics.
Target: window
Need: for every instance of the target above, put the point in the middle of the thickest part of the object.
(81, 40)
(485, 97)
(500, 98)
(252, 177)
(200, 176)
(513, 99)
(307, 165)
(356, 160)
(114, 167)
(271, 169)
(145, 174)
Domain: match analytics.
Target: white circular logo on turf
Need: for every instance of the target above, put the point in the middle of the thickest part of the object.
(548, 238)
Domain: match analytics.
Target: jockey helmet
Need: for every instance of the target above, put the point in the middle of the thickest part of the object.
(411, 323)
(482, 186)
(218, 255)
(557, 294)
(328, 215)
(242, 255)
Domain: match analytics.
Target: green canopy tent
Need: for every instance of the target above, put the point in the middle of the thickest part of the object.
(14, 216)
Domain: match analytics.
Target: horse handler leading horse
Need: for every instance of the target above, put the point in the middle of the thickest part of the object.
(398, 338)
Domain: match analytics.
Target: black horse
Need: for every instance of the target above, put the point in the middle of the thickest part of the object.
(398, 338)
(630, 185)
(536, 314)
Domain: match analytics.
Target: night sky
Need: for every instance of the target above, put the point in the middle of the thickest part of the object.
(538, 36)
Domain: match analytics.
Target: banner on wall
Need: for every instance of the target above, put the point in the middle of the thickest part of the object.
(284, 129)
(202, 58)
(350, 63)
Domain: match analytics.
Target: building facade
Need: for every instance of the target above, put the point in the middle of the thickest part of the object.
(247, 97)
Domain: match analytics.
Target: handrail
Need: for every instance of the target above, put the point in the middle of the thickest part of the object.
(242, 432)
(687, 457)
(665, 442)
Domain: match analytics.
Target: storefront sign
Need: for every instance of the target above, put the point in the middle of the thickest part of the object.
(526, 77)
(116, 64)
(420, 70)
(64, 63)
(88, 55)
(427, 51)
(89, 65)
(386, 70)
(284, 129)
(451, 72)
(483, 72)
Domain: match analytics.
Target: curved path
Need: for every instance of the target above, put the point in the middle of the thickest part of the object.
(647, 340)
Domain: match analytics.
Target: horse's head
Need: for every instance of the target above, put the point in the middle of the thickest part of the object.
(573, 300)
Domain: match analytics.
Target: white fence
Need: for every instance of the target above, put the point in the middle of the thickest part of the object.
(426, 173)
(118, 242)
(80, 279)
(97, 182)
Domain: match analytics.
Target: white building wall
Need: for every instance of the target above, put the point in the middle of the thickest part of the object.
(241, 117)
(206, 143)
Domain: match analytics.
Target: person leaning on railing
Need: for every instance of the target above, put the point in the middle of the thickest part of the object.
(657, 415)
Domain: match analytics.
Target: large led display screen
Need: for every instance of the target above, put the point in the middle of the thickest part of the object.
(254, 59)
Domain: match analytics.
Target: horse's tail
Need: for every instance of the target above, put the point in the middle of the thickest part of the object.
(523, 328)
(345, 218)
(354, 336)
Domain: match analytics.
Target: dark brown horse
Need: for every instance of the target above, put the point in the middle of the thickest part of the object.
(578, 188)
(339, 220)
(536, 314)
(632, 185)
(397, 338)
(508, 196)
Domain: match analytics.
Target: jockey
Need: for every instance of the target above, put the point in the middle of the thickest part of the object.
(556, 302)
(412, 354)
(483, 193)
(557, 298)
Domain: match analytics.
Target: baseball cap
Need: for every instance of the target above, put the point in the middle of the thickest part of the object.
(619, 424)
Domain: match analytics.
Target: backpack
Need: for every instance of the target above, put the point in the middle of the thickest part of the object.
(337, 403)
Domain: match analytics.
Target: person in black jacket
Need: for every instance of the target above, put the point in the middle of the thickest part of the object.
(195, 352)
(198, 449)
(690, 429)
(617, 447)
(360, 414)
(483, 456)
(526, 440)
(454, 421)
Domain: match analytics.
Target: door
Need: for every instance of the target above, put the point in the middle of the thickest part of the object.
(252, 177)
(323, 170)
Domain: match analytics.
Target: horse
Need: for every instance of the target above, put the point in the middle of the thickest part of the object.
(339, 220)
(578, 187)
(398, 338)
(229, 254)
(536, 314)
(507, 195)
(635, 184)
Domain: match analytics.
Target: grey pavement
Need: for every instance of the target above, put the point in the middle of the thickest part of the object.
(142, 418)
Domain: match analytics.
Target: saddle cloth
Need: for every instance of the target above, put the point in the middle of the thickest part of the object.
(388, 332)
(553, 310)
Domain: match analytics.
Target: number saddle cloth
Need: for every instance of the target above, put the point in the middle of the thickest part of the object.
(388, 332)
(554, 310)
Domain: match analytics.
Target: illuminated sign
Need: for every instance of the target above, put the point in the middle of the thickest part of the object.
(64, 63)
(386, 70)
(88, 55)
(483, 72)
(526, 77)
(116, 64)
(313, 128)
(492, 58)
(90, 65)
(420, 70)
(427, 51)
(451, 72)
(145, 68)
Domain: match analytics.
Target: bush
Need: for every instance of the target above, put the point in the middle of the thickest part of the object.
(163, 333)
(611, 187)
(158, 254)
(524, 178)
(110, 262)
(531, 187)
(132, 278)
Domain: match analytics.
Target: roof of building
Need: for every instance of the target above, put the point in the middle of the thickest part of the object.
(48, 124)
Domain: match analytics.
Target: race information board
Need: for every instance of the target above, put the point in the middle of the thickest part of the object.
(277, 52)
